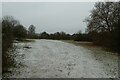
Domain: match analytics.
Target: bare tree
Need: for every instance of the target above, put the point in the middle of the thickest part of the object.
(103, 16)
(103, 24)
(10, 19)
(31, 29)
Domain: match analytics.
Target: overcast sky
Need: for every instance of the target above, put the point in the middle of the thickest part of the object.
(50, 16)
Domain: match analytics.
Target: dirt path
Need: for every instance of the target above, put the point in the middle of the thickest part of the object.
(57, 59)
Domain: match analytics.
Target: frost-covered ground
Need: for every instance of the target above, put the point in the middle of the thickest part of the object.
(57, 59)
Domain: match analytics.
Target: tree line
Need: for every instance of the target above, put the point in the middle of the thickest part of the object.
(103, 25)
(64, 36)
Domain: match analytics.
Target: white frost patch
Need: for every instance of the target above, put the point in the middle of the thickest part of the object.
(57, 59)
